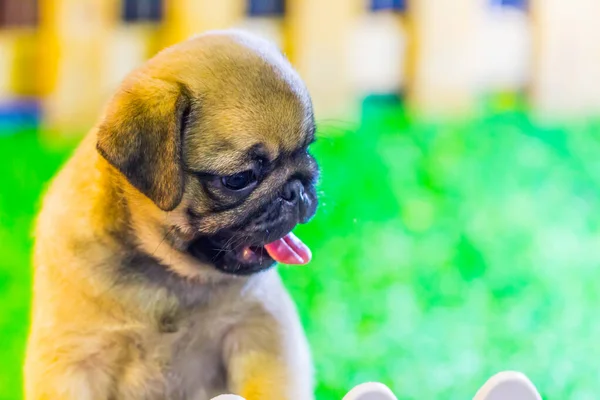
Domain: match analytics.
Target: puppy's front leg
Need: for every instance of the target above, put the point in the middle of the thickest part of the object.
(267, 358)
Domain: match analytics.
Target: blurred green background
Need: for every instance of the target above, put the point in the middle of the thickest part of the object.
(442, 254)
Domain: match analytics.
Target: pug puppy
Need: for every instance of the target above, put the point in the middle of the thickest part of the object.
(155, 242)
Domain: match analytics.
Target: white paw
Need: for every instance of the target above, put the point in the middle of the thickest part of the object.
(370, 391)
(508, 385)
(227, 397)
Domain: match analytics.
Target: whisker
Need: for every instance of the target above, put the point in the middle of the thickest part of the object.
(225, 246)
(163, 239)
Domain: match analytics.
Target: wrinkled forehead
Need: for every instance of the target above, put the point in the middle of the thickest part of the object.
(246, 96)
(229, 137)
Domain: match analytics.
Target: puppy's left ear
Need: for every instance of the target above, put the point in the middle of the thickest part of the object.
(141, 136)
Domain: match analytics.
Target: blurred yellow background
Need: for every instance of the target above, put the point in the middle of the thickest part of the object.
(443, 56)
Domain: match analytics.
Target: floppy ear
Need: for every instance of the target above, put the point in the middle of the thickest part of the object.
(141, 136)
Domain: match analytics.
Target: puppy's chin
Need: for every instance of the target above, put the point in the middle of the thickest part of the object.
(235, 260)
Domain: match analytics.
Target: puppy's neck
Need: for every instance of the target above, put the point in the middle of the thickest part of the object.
(146, 232)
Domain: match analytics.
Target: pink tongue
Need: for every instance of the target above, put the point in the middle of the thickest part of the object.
(289, 250)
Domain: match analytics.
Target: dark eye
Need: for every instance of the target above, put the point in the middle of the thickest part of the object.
(239, 181)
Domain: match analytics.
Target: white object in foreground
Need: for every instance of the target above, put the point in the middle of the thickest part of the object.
(506, 385)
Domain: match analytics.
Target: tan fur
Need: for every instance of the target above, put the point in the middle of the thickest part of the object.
(100, 333)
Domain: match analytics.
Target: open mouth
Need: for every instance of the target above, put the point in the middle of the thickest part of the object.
(287, 250)
(247, 259)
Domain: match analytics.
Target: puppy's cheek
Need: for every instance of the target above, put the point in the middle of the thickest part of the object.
(180, 229)
(198, 209)
(177, 236)
(210, 224)
(196, 197)
(265, 224)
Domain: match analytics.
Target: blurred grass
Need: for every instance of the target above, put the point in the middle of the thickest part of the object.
(442, 254)
(25, 167)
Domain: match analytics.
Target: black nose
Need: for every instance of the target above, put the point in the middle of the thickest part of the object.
(293, 191)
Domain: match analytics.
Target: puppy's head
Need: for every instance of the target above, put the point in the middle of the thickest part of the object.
(215, 132)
